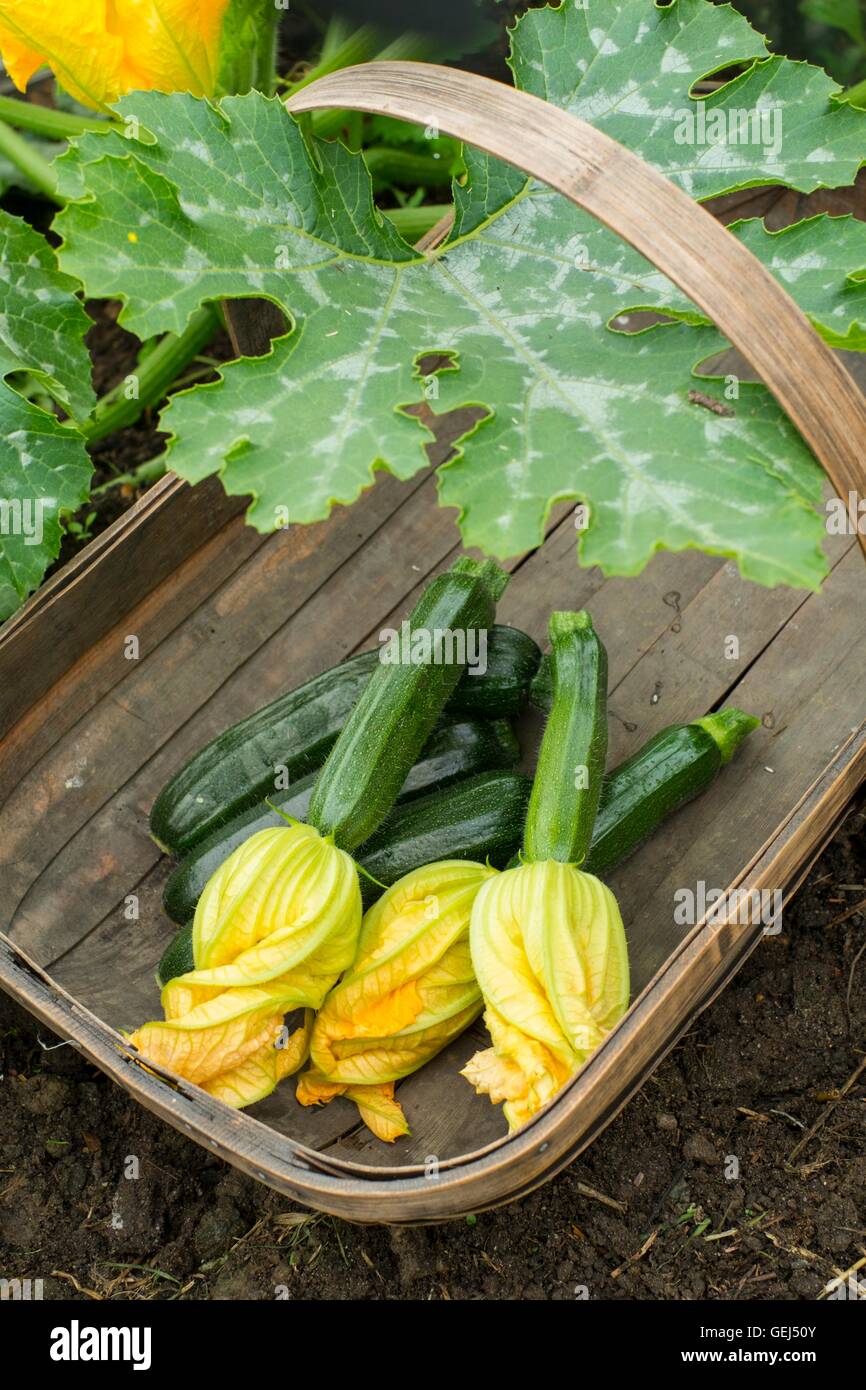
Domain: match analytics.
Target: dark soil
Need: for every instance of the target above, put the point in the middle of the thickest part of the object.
(695, 1191)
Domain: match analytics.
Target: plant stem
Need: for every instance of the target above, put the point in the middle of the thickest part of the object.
(159, 369)
(265, 63)
(337, 32)
(43, 120)
(327, 124)
(357, 47)
(147, 472)
(856, 96)
(25, 157)
(388, 165)
(413, 223)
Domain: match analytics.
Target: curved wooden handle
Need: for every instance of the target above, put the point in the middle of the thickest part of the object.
(634, 200)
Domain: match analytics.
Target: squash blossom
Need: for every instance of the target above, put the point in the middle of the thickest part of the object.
(100, 49)
(411, 991)
(274, 929)
(547, 940)
(549, 951)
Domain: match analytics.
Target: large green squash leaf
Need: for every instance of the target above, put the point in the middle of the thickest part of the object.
(44, 467)
(215, 202)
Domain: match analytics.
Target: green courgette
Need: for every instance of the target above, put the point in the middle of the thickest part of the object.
(237, 770)
(480, 817)
(454, 751)
(402, 702)
(672, 768)
(568, 779)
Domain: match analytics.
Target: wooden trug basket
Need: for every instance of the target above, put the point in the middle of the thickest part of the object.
(226, 619)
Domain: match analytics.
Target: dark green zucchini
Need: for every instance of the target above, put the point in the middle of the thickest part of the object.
(454, 751)
(236, 770)
(480, 818)
(568, 779)
(541, 688)
(500, 689)
(402, 702)
(675, 766)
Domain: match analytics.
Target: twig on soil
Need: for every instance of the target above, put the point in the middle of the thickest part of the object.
(633, 1259)
(792, 1118)
(600, 1197)
(849, 912)
(840, 1279)
(825, 1114)
(71, 1279)
(753, 1278)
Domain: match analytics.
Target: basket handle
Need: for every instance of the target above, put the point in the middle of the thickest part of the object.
(633, 199)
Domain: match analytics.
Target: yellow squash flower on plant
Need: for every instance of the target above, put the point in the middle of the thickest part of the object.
(275, 927)
(100, 49)
(411, 991)
(547, 940)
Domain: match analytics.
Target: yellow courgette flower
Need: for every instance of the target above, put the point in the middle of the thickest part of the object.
(411, 991)
(549, 951)
(100, 49)
(275, 927)
(232, 1043)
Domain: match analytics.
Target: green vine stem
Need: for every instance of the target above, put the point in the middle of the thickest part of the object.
(159, 369)
(327, 124)
(340, 50)
(23, 154)
(336, 34)
(45, 121)
(149, 472)
(389, 165)
(413, 223)
(856, 96)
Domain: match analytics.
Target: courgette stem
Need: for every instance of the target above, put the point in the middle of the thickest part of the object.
(413, 223)
(407, 168)
(159, 370)
(44, 120)
(25, 156)
(728, 728)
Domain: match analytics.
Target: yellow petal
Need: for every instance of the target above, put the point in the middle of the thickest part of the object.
(285, 899)
(170, 45)
(575, 943)
(412, 988)
(381, 1113)
(215, 1036)
(100, 49)
(494, 1076)
(255, 1078)
(549, 950)
(313, 1089)
(504, 972)
(379, 1110)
